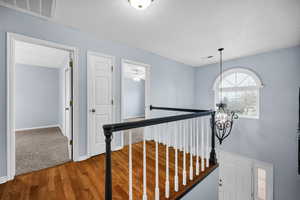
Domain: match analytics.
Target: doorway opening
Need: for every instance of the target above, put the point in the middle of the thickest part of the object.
(135, 96)
(40, 111)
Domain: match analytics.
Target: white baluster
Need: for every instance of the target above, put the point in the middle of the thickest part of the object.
(191, 148)
(167, 184)
(156, 168)
(130, 166)
(197, 145)
(145, 165)
(181, 135)
(184, 152)
(177, 128)
(160, 135)
(202, 145)
(207, 142)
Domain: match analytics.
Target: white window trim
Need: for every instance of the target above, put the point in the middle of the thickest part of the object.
(245, 71)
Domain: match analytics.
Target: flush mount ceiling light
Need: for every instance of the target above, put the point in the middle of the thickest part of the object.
(140, 4)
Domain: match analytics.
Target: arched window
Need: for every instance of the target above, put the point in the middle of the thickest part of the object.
(240, 91)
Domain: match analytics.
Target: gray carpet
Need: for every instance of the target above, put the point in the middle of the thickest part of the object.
(39, 149)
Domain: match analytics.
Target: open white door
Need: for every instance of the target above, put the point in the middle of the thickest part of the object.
(100, 100)
(68, 108)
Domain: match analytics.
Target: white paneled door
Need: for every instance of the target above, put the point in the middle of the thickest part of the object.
(235, 177)
(100, 100)
(242, 178)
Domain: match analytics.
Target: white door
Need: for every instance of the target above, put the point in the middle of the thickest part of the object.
(68, 108)
(100, 100)
(235, 177)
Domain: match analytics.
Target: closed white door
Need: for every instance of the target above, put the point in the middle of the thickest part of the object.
(100, 100)
(235, 177)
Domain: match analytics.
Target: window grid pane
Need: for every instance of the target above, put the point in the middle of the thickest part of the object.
(261, 184)
(240, 94)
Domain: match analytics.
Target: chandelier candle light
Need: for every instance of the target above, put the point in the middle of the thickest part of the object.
(224, 117)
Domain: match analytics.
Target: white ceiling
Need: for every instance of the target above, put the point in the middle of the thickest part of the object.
(31, 54)
(189, 30)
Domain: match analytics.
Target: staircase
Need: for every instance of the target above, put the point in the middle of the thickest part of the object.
(177, 153)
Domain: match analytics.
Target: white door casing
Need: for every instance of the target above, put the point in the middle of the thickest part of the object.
(11, 41)
(147, 90)
(100, 99)
(147, 86)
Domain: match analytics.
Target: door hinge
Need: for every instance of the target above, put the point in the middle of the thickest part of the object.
(71, 63)
(112, 102)
(71, 103)
(71, 142)
(112, 68)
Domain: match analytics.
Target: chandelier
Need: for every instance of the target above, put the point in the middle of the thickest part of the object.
(224, 117)
(140, 4)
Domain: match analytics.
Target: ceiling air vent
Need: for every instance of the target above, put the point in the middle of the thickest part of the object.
(41, 8)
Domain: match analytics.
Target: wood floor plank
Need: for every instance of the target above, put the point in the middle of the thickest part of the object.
(85, 180)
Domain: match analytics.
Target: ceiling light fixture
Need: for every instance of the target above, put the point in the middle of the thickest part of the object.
(140, 4)
(224, 117)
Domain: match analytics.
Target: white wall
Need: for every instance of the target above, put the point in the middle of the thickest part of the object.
(37, 96)
(208, 189)
(273, 137)
(172, 83)
(61, 97)
(134, 98)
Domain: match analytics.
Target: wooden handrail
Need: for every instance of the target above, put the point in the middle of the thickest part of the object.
(110, 128)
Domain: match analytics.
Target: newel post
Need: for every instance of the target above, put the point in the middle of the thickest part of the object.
(213, 157)
(108, 173)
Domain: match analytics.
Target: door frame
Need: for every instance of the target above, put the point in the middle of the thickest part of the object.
(147, 88)
(10, 92)
(89, 139)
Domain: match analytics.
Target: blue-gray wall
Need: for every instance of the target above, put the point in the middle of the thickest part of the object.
(134, 98)
(208, 189)
(272, 138)
(172, 83)
(61, 99)
(37, 96)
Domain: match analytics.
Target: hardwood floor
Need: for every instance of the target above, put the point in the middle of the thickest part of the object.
(85, 180)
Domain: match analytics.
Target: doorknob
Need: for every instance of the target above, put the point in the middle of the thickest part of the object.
(93, 110)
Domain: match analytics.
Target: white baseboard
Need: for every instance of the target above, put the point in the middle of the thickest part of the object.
(117, 148)
(82, 158)
(3, 179)
(38, 127)
(134, 117)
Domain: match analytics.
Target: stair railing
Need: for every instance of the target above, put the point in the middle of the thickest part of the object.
(192, 123)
